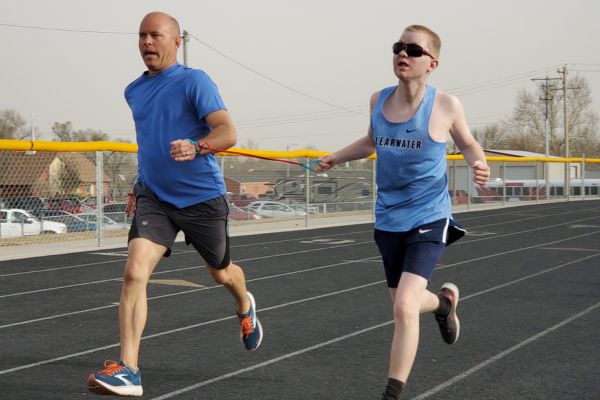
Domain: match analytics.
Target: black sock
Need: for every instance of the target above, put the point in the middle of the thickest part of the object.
(394, 388)
(444, 307)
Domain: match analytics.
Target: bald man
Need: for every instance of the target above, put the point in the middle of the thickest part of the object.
(179, 117)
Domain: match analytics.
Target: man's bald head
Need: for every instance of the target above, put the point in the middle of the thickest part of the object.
(159, 40)
(169, 20)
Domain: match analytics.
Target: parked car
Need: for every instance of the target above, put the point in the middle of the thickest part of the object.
(116, 212)
(237, 214)
(32, 204)
(18, 222)
(459, 196)
(271, 209)
(73, 222)
(107, 223)
(91, 202)
(313, 208)
(241, 199)
(70, 204)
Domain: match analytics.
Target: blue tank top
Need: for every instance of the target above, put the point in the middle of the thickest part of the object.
(412, 187)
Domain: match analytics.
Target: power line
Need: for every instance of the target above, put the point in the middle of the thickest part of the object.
(498, 82)
(45, 28)
(339, 114)
(271, 79)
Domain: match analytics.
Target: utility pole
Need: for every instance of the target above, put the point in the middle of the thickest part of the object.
(564, 73)
(186, 39)
(546, 99)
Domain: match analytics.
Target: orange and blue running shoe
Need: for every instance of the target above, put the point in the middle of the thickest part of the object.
(116, 378)
(251, 332)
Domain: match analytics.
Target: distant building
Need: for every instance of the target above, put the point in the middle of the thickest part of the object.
(46, 174)
(459, 178)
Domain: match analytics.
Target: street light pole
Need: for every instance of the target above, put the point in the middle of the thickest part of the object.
(185, 38)
(31, 152)
(287, 148)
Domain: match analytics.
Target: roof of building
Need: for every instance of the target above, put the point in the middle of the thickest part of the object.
(517, 153)
(23, 168)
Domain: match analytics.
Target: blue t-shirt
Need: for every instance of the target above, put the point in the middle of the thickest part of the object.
(412, 187)
(169, 106)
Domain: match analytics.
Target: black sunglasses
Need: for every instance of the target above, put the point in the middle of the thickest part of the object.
(412, 49)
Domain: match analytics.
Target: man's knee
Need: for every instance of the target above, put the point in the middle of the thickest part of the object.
(136, 273)
(222, 276)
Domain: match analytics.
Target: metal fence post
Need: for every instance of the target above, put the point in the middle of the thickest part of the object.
(374, 189)
(503, 183)
(469, 186)
(307, 193)
(99, 195)
(537, 194)
(583, 175)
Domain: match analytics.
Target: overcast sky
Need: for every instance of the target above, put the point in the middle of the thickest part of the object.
(292, 73)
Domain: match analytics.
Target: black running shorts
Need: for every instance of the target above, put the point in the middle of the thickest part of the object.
(204, 225)
(416, 251)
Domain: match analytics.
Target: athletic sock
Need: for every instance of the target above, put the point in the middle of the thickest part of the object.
(444, 307)
(394, 389)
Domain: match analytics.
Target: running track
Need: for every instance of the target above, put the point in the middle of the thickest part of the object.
(530, 313)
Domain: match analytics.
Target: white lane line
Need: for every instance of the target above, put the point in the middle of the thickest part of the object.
(288, 273)
(422, 396)
(321, 249)
(519, 249)
(269, 362)
(502, 354)
(179, 293)
(310, 237)
(118, 279)
(173, 254)
(110, 346)
(68, 356)
(58, 268)
(541, 216)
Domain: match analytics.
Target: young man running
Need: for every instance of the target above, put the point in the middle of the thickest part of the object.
(409, 126)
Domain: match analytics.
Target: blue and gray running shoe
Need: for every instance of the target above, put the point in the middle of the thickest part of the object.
(117, 379)
(251, 333)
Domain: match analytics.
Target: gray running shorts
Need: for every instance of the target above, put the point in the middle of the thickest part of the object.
(204, 225)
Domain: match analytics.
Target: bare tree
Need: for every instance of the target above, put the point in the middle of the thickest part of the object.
(67, 179)
(525, 130)
(121, 167)
(63, 132)
(10, 125)
(491, 136)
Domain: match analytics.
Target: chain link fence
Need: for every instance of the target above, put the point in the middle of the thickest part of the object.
(67, 196)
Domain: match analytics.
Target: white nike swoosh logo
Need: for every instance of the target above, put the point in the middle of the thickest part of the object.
(424, 230)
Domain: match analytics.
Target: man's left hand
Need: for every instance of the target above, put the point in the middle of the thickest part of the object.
(182, 150)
